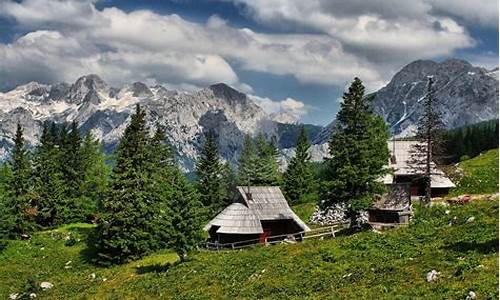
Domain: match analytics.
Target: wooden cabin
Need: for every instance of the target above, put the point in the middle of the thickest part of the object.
(403, 172)
(259, 212)
(392, 208)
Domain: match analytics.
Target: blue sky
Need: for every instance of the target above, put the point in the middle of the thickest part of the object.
(292, 56)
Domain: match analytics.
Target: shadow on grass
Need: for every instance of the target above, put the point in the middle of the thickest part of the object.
(487, 247)
(156, 268)
(89, 253)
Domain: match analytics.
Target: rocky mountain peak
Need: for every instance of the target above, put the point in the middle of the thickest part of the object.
(224, 91)
(139, 89)
(88, 88)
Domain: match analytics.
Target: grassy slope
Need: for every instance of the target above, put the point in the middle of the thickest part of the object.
(368, 265)
(478, 175)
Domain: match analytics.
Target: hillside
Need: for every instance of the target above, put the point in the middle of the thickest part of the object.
(369, 265)
(478, 175)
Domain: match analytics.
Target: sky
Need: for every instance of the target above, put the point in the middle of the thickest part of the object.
(290, 56)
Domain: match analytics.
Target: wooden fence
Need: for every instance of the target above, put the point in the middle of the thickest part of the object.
(284, 238)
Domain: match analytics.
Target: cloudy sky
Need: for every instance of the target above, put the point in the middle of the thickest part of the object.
(291, 55)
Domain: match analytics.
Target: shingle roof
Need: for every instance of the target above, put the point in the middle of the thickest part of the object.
(402, 151)
(260, 203)
(397, 198)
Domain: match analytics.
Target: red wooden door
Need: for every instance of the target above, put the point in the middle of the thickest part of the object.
(264, 235)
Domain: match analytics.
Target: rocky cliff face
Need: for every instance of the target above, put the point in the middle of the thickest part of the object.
(465, 94)
(105, 111)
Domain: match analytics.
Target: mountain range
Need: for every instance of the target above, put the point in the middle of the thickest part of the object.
(466, 94)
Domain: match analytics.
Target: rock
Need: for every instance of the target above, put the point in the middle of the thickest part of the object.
(92, 276)
(32, 295)
(13, 296)
(471, 219)
(333, 215)
(432, 275)
(471, 295)
(46, 285)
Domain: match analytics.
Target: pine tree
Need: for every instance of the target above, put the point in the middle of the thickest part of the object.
(127, 231)
(16, 212)
(358, 155)
(49, 186)
(186, 216)
(160, 189)
(96, 177)
(210, 184)
(229, 183)
(430, 137)
(247, 163)
(267, 169)
(298, 180)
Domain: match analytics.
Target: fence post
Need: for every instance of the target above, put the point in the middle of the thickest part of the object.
(333, 231)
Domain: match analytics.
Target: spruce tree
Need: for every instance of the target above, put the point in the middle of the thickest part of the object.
(247, 163)
(96, 176)
(159, 186)
(209, 182)
(358, 155)
(49, 185)
(186, 216)
(127, 230)
(229, 183)
(298, 180)
(430, 141)
(267, 169)
(16, 212)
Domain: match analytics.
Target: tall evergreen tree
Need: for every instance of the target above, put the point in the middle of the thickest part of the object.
(186, 215)
(230, 183)
(160, 187)
(358, 154)
(96, 176)
(430, 138)
(298, 180)
(49, 185)
(267, 169)
(247, 163)
(16, 213)
(210, 182)
(127, 231)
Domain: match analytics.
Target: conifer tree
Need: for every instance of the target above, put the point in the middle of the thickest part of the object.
(49, 186)
(358, 154)
(159, 186)
(247, 163)
(267, 169)
(229, 183)
(186, 216)
(430, 141)
(96, 176)
(16, 213)
(210, 184)
(127, 231)
(298, 180)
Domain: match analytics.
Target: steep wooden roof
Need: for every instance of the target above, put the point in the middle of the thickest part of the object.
(401, 152)
(257, 203)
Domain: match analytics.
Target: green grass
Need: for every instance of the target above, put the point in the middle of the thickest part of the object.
(304, 211)
(369, 265)
(478, 175)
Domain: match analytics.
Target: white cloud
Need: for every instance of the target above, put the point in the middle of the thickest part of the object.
(289, 106)
(482, 12)
(349, 39)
